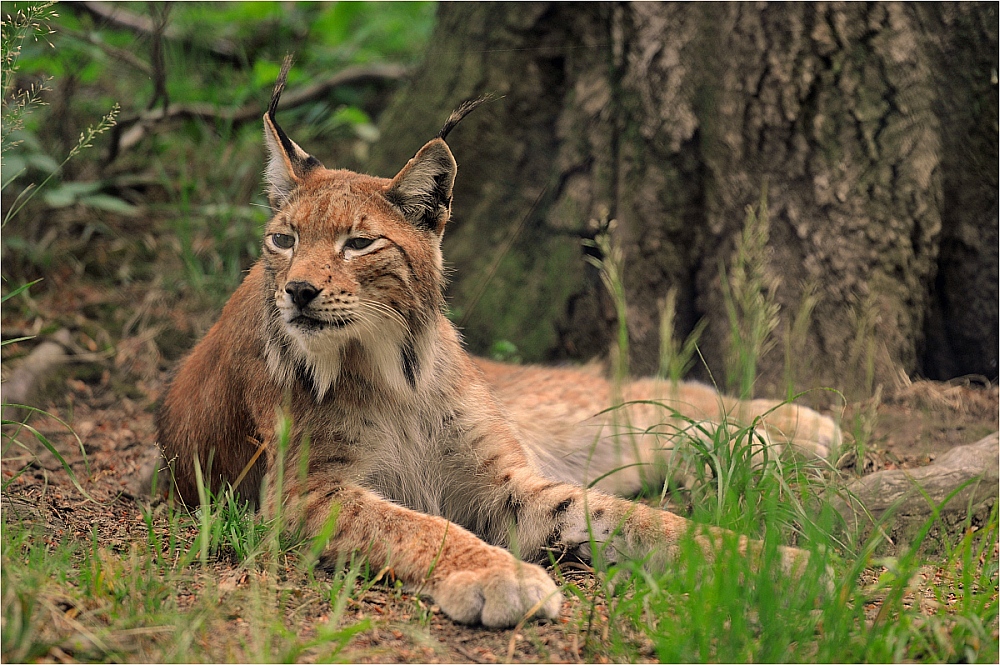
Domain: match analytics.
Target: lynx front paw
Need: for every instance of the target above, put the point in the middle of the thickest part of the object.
(498, 597)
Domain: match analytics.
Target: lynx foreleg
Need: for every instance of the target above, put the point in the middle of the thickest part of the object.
(562, 517)
(472, 581)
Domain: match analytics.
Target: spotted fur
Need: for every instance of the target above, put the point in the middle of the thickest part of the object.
(436, 464)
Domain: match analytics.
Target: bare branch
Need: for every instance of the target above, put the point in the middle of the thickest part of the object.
(160, 13)
(354, 75)
(119, 17)
(21, 384)
(134, 129)
(113, 51)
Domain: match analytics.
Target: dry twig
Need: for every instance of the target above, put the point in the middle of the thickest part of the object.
(33, 370)
(136, 127)
(116, 15)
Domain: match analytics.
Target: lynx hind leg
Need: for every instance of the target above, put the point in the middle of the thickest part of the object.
(806, 431)
(469, 579)
(809, 433)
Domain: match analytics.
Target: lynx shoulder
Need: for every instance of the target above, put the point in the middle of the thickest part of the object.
(435, 463)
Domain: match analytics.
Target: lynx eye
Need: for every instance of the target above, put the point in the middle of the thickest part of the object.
(357, 244)
(283, 240)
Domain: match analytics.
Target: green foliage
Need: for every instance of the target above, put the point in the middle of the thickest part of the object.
(676, 357)
(228, 53)
(30, 21)
(796, 337)
(505, 351)
(737, 607)
(609, 266)
(72, 191)
(195, 179)
(363, 32)
(87, 194)
(749, 294)
(865, 317)
(33, 21)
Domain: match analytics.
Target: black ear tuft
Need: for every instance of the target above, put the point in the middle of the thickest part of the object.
(422, 190)
(279, 87)
(464, 109)
(287, 164)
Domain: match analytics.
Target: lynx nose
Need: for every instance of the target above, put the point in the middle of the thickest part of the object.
(302, 293)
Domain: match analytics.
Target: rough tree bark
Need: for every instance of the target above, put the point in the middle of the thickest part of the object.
(873, 128)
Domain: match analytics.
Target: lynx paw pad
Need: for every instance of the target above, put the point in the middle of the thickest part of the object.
(498, 597)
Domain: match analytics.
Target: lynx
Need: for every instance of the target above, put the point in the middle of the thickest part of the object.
(436, 464)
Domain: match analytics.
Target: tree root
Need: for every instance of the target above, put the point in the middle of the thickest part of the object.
(912, 495)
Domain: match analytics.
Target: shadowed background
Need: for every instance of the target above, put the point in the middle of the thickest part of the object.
(870, 128)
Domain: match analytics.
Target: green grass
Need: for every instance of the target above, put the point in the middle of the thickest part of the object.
(748, 291)
(188, 195)
(170, 596)
(738, 609)
(160, 598)
(676, 357)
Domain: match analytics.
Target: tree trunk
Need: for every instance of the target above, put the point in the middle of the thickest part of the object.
(871, 127)
(962, 331)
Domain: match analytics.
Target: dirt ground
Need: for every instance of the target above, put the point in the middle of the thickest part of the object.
(116, 433)
(110, 402)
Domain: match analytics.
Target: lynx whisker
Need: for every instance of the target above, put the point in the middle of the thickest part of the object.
(388, 311)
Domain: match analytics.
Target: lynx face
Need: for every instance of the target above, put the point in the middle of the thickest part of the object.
(345, 268)
(353, 264)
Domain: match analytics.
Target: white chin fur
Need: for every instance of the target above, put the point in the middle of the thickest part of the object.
(323, 354)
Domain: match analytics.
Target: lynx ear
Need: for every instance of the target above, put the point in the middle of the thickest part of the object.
(287, 163)
(422, 190)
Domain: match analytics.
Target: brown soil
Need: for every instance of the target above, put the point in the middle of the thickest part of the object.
(919, 421)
